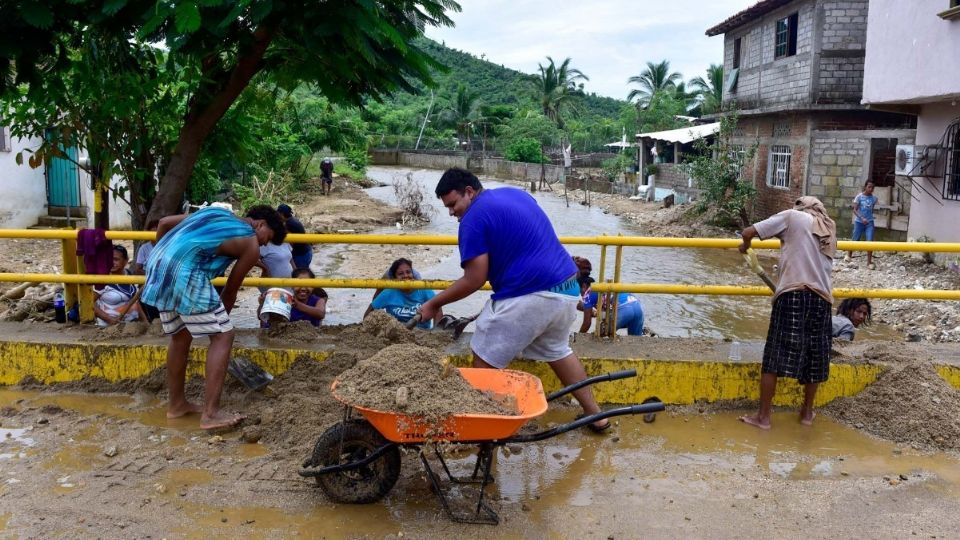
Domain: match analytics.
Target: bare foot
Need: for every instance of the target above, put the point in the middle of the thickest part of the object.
(220, 421)
(183, 410)
(807, 420)
(754, 420)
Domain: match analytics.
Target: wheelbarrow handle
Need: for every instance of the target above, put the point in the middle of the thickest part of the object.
(653, 407)
(592, 380)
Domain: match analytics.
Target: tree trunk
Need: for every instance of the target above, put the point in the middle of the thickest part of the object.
(207, 107)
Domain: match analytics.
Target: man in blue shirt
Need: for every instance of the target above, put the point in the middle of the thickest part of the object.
(504, 237)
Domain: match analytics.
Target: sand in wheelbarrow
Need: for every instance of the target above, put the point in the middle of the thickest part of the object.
(909, 403)
(374, 382)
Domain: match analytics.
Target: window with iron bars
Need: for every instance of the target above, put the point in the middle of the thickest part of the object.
(951, 176)
(737, 155)
(778, 173)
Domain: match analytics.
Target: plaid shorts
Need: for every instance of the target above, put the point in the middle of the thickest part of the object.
(799, 338)
(199, 324)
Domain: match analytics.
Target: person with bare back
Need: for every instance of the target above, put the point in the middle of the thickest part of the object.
(191, 250)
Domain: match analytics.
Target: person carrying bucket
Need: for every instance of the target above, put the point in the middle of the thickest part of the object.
(504, 236)
(303, 304)
(191, 250)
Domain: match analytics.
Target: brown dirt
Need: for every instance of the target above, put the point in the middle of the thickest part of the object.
(909, 403)
(290, 333)
(375, 382)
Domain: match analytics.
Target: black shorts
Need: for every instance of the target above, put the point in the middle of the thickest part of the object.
(799, 338)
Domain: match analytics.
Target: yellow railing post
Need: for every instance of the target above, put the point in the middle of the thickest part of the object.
(612, 328)
(69, 247)
(85, 296)
(600, 310)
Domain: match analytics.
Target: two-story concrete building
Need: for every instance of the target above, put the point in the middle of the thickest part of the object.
(794, 71)
(913, 66)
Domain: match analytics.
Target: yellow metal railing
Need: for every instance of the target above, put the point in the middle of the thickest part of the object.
(74, 273)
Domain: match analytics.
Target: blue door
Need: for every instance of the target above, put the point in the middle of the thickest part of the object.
(63, 180)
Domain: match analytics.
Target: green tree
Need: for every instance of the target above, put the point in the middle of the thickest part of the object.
(717, 167)
(556, 87)
(710, 90)
(661, 113)
(462, 113)
(349, 51)
(653, 79)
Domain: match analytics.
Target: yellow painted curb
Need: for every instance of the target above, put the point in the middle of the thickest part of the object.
(673, 381)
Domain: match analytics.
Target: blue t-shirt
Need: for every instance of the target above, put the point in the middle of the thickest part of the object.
(591, 299)
(864, 204)
(403, 306)
(525, 254)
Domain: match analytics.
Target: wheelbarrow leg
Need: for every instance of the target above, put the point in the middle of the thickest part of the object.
(483, 514)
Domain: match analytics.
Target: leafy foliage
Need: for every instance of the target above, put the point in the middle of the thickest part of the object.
(555, 88)
(524, 149)
(655, 78)
(709, 91)
(716, 169)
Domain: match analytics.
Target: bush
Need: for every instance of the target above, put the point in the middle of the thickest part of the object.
(613, 167)
(525, 150)
(410, 198)
(204, 183)
(358, 159)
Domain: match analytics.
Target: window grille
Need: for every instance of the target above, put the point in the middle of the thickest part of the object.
(737, 156)
(5, 139)
(951, 176)
(781, 129)
(779, 169)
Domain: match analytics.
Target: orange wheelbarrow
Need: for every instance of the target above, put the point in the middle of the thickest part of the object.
(358, 459)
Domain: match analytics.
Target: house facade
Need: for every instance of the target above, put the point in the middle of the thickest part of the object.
(794, 72)
(913, 66)
(57, 194)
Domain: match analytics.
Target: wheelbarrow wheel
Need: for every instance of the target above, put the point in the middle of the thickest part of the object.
(353, 441)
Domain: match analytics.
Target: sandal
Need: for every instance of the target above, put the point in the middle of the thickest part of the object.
(593, 427)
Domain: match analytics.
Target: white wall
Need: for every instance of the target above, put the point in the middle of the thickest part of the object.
(23, 191)
(913, 56)
(931, 215)
(119, 209)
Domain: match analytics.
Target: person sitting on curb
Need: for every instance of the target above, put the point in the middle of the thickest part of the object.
(116, 298)
(191, 250)
(851, 314)
(799, 336)
(629, 308)
(403, 304)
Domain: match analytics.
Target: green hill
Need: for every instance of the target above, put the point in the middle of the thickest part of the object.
(496, 84)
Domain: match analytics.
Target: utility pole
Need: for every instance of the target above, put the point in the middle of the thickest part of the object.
(425, 120)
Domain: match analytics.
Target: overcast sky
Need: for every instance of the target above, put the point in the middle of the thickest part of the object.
(608, 40)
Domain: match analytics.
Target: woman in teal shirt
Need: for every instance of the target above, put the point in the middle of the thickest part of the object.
(403, 304)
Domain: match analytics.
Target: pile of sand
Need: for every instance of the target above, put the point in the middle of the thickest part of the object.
(909, 403)
(408, 378)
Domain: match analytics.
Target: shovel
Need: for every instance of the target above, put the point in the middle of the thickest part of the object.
(249, 374)
(751, 257)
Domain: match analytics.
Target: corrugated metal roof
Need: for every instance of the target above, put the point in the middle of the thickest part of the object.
(753, 12)
(683, 135)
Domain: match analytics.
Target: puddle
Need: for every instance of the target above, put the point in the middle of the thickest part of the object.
(14, 442)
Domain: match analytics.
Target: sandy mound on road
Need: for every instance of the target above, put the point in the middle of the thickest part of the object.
(909, 403)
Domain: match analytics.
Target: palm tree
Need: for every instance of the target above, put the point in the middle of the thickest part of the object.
(710, 90)
(555, 87)
(688, 99)
(462, 112)
(655, 78)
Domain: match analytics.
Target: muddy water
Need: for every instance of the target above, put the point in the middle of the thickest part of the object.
(673, 316)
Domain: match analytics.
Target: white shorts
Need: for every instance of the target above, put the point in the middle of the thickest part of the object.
(198, 324)
(535, 326)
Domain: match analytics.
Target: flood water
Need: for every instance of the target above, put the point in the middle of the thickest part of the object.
(743, 318)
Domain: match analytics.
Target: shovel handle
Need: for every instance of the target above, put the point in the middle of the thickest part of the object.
(414, 321)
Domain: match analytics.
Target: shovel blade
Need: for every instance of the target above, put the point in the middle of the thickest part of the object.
(249, 374)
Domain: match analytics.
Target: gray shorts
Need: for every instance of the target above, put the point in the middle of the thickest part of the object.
(199, 324)
(535, 326)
